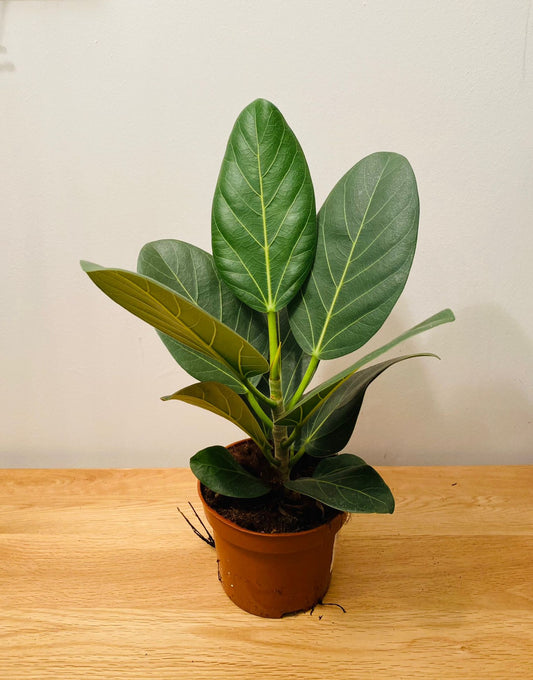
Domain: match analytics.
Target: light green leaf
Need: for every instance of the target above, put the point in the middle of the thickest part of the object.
(223, 401)
(315, 397)
(176, 316)
(191, 272)
(444, 316)
(263, 218)
(346, 483)
(216, 468)
(367, 232)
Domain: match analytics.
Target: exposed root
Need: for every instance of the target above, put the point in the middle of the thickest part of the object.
(327, 604)
(208, 538)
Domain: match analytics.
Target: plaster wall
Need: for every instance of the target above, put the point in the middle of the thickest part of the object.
(114, 119)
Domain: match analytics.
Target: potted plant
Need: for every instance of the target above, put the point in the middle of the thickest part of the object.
(284, 289)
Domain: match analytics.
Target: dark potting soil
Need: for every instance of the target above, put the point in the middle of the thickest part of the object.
(281, 510)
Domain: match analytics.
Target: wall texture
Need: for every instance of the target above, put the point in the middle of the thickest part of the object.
(114, 119)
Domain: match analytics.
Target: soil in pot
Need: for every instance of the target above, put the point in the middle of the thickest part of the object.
(280, 511)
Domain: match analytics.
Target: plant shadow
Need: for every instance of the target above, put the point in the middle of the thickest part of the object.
(472, 407)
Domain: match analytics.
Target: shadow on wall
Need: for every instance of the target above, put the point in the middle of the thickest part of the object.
(471, 409)
(490, 417)
(5, 64)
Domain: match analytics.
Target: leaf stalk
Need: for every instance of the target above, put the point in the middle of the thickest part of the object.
(308, 376)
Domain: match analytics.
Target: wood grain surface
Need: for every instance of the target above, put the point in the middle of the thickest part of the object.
(101, 578)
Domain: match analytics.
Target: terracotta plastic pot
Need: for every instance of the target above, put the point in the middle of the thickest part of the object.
(273, 574)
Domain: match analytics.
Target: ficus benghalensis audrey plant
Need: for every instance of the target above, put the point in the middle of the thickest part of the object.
(284, 289)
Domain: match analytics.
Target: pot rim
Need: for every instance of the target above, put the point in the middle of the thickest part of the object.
(342, 516)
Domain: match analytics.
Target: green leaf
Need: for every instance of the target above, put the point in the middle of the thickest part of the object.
(367, 232)
(329, 425)
(346, 483)
(263, 218)
(216, 468)
(444, 316)
(223, 401)
(176, 316)
(315, 397)
(191, 272)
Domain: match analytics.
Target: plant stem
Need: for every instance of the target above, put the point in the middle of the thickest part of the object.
(292, 437)
(268, 455)
(279, 432)
(259, 395)
(257, 408)
(313, 365)
(296, 457)
(272, 337)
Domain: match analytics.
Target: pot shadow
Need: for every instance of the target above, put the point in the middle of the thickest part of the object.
(475, 398)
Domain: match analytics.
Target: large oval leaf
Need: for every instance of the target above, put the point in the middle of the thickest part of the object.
(178, 317)
(346, 483)
(223, 401)
(263, 218)
(191, 272)
(216, 468)
(366, 243)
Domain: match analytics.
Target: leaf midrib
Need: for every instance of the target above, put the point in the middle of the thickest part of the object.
(266, 246)
(343, 488)
(346, 491)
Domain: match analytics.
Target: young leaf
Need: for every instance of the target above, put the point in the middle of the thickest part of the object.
(178, 317)
(223, 401)
(367, 232)
(444, 316)
(302, 410)
(330, 424)
(191, 272)
(216, 468)
(346, 483)
(263, 218)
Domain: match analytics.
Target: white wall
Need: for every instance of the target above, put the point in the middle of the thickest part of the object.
(114, 119)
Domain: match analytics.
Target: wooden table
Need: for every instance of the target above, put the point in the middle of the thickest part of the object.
(101, 578)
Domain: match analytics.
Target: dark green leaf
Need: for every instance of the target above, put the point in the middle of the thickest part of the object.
(216, 468)
(367, 232)
(330, 424)
(176, 316)
(346, 483)
(263, 219)
(191, 272)
(302, 410)
(223, 401)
